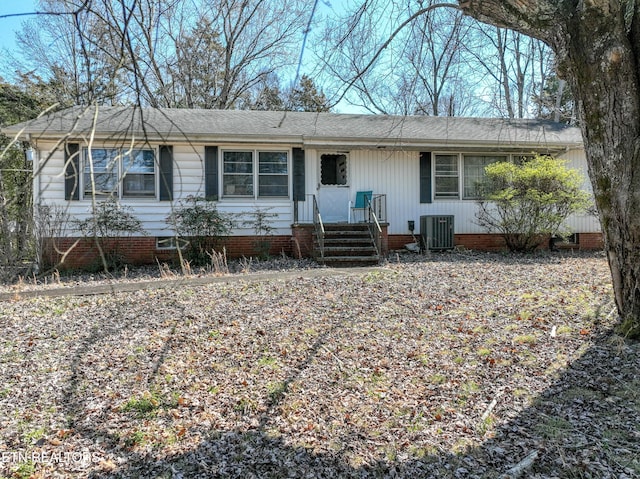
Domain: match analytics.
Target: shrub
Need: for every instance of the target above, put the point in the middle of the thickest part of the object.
(260, 222)
(50, 223)
(529, 202)
(108, 224)
(197, 220)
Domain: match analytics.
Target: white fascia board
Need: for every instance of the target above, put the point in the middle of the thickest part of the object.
(391, 144)
(119, 137)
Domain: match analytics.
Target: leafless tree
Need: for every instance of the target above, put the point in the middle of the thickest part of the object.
(167, 53)
(515, 68)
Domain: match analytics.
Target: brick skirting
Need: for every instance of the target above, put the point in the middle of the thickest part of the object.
(494, 242)
(71, 253)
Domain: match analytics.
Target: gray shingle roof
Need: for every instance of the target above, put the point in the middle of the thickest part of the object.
(296, 127)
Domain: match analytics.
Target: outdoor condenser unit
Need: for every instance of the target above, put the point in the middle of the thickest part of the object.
(436, 232)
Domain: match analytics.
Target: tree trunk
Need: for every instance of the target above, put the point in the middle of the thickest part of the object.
(597, 44)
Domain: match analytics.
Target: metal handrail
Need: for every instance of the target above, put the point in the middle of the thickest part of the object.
(318, 226)
(375, 230)
(379, 206)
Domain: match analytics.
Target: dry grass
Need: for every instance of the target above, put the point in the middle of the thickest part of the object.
(441, 368)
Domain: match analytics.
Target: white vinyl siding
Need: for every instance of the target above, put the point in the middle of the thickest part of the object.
(393, 173)
(396, 174)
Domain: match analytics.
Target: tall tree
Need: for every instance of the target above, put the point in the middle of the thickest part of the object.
(53, 45)
(16, 104)
(433, 67)
(515, 68)
(269, 95)
(163, 53)
(422, 70)
(306, 97)
(597, 49)
(198, 71)
(556, 101)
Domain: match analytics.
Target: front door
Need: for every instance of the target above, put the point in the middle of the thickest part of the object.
(333, 189)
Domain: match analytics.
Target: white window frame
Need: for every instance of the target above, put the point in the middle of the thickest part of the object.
(255, 173)
(447, 195)
(118, 170)
(465, 194)
(460, 156)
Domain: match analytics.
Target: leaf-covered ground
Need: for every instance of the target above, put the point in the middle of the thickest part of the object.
(454, 366)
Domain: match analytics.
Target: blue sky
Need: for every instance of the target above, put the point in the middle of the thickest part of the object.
(9, 26)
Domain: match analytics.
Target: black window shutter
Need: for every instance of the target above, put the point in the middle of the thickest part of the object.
(72, 171)
(298, 175)
(425, 177)
(166, 173)
(211, 172)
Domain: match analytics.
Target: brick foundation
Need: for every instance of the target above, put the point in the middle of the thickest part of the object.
(71, 253)
(493, 242)
(239, 246)
(590, 241)
(480, 242)
(74, 253)
(302, 241)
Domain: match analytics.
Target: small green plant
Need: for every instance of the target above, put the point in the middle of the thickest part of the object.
(276, 391)
(260, 222)
(34, 435)
(554, 427)
(564, 330)
(108, 226)
(525, 339)
(485, 425)
(24, 470)
(268, 362)
(197, 220)
(529, 202)
(136, 438)
(144, 406)
(246, 406)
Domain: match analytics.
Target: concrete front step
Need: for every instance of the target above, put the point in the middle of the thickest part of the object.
(342, 250)
(348, 245)
(345, 261)
(345, 226)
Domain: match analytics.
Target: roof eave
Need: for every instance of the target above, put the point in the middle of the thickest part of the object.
(449, 144)
(305, 141)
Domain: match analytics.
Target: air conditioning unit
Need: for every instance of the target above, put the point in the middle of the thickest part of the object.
(436, 232)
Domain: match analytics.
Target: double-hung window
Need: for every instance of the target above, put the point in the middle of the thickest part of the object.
(273, 178)
(101, 171)
(138, 178)
(474, 173)
(252, 174)
(446, 177)
(237, 173)
(124, 173)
